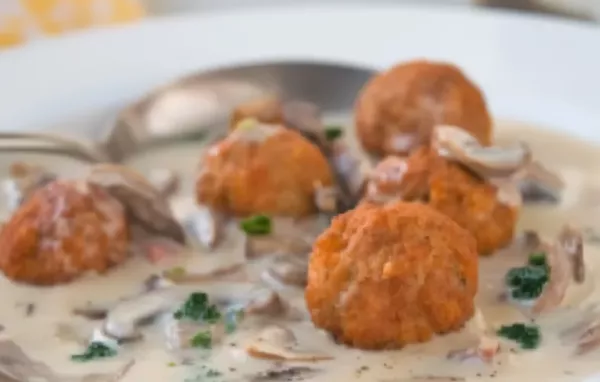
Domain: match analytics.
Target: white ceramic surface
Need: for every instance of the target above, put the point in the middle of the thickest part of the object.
(534, 69)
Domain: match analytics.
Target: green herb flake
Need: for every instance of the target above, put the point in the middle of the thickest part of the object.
(528, 282)
(175, 273)
(95, 350)
(197, 308)
(528, 336)
(171, 364)
(202, 340)
(333, 132)
(256, 225)
(213, 373)
(538, 259)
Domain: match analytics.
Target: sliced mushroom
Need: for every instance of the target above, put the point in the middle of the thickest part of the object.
(144, 203)
(305, 117)
(165, 181)
(287, 270)
(205, 226)
(564, 261)
(585, 333)
(270, 303)
(280, 374)
(287, 237)
(537, 183)
(24, 180)
(350, 174)
(488, 344)
(265, 109)
(571, 242)
(280, 343)
(491, 162)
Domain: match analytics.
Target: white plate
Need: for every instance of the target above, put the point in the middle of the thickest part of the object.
(534, 69)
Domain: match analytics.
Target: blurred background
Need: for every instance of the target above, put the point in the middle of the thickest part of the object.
(24, 20)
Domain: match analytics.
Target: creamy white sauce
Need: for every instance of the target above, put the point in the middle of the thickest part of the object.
(578, 163)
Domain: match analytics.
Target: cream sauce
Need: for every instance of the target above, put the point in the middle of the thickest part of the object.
(578, 163)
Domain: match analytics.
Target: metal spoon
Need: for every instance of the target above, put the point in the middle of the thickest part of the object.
(200, 105)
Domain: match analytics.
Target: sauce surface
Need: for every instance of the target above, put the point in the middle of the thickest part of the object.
(41, 322)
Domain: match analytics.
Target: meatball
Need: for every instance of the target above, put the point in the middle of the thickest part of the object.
(384, 276)
(266, 169)
(474, 203)
(266, 110)
(397, 110)
(61, 231)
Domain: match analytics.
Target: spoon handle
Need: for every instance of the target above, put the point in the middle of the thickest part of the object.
(49, 144)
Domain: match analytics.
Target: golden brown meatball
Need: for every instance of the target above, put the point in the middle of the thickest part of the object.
(472, 202)
(387, 276)
(267, 110)
(266, 169)
(397, 110)
(62, 230)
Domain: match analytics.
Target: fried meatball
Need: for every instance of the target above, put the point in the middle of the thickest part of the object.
(267, 110)
(471, 201)
(62, 230)
(266, 169)
(474, 204)
(397, 109)
(384, 276)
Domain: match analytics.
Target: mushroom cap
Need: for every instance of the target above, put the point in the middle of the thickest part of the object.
(267, 110)
(63, 230)
(489, 162)
(144, 204)
(392, 275)
(396, 110)
(262, 169)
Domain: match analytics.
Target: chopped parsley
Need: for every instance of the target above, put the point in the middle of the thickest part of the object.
(197, 308)
(527, 283)
(94, 350)
(256, 225)
(333, 132)
(202, 340)
(528, 336)
(175, 273)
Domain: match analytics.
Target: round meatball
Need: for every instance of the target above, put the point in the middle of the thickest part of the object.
(384, 276)
(61, 231)
(262, 169)
(397, 109)
(472, 202)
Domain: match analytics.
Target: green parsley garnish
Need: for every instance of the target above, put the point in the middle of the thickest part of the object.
(528, 282)
(256, 225)
(528, 336)
(202, 340)
(175, 273)
(94, 350)
(333, 132)
(197, 308)
(213, 373)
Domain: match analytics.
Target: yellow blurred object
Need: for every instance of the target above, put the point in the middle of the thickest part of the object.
(21, 20)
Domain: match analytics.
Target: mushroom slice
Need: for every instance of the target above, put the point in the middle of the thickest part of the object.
(165, 181)
(566, 262)
(205, 226)
(488, 344)
(24, 180)
(287, 237)
(537, 183)
(280, 343)
(571, 242)
(123, 320)
(144, 203)
(269, 303)
(351, 175)
(287, 270)
(457, 144)
(305, 117)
